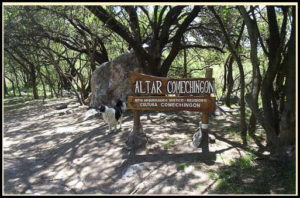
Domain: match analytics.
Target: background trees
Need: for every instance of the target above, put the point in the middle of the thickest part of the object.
(49, 49)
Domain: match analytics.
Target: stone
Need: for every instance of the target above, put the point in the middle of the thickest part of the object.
(218, 111)
(132, 170)
(212, 139)
(110, 80)
(69, 111)
(90, 114)
(61, 106)
(197, 138)
(61, 113)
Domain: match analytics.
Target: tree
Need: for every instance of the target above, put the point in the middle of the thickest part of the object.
(279, 53)
(236, 57)
(65, 30)
(256, 76)
(164, 23)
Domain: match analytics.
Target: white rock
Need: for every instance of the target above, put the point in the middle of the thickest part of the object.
(197, 138)
(132, 170)
(89, 114)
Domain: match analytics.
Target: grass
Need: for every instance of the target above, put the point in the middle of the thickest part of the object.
(224, 159)
(245, 176)
(230, 178)
(170, 142)
(213, 175)
(198, 165)
(245, 162)
(182, 166)
(199, 186)
(233, 131)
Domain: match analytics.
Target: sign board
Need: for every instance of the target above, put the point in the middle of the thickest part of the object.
(159, 93)
(187, 103)
(142, 84)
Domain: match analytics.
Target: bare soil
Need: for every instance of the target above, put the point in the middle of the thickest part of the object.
(48, 151)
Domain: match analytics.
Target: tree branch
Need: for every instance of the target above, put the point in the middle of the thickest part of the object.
(202, 47)
(120, 29)
(169, 20)
(177, 38)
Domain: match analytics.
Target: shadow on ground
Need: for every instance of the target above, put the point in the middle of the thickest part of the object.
(48, 151)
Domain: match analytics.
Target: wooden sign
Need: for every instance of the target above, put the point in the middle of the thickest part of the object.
(142, 84)
(188, 103)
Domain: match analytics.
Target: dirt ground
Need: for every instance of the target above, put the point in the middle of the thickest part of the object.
(48, 151)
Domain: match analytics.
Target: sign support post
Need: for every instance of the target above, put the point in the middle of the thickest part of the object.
(137, 136)
(161, 93)
(204, 125)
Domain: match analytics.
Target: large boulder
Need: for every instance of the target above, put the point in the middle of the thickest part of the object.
(110, 81)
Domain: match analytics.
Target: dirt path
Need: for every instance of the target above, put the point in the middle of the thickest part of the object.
(48, 151)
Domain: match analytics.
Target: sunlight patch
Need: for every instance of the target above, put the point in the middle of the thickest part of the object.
(65, 129)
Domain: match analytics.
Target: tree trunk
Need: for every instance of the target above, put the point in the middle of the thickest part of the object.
(51, 84)
(13, 85)
(51, 91)
(242, 105)
(288, 119)
(229, 82)
(267, 91)
(34, 89)
(241, 70)
(184, 60)
(18, 85)
(225, 75)
(33, 82)
(256, 77)
(44, 88)
(5, 87)
(43, 84)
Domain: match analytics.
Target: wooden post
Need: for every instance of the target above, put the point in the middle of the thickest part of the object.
(137, 127)
(136, 138)
(204, 125)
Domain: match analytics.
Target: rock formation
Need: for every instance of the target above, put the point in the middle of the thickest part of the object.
(110, 81)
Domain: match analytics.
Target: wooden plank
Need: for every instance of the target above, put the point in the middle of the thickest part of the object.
(142, 84)
(208, 74)
(187, 103)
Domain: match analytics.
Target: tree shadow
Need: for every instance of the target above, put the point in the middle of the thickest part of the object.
(244, 176)
(49, 158)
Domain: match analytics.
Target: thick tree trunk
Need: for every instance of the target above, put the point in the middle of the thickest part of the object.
(33, 82)
(288, 118)
(270, 113)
